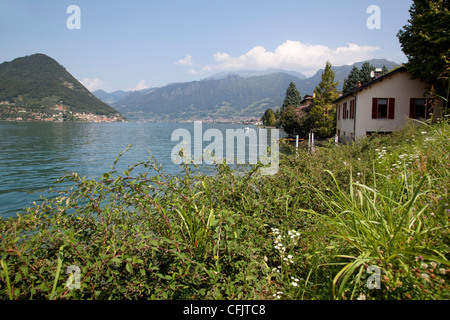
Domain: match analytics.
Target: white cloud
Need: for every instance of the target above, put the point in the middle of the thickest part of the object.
(92, 84)
(140, 86)
(292, 55)
(187, 61)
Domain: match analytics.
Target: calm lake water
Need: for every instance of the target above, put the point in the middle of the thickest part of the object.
(35, 154)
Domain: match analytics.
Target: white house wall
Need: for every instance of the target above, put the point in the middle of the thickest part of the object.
(399, 86)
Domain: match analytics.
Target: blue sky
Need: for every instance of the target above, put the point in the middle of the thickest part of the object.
(134, 44)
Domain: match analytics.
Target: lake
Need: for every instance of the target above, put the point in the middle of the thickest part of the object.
(35, 154)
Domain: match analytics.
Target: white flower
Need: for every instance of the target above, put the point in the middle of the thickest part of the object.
(433, 264)
(442, 271)
(295, 284)
(424, 266)
(290, 256)
(424, 276)
(361, 297)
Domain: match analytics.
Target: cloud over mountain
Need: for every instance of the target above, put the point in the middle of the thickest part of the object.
(291, 55)
(92, 84)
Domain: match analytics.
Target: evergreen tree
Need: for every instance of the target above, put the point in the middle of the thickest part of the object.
(351, 82)
(384, 70)
(323, 111)
(426, 42)
(292, 98)
(268, 118)
(366, 69)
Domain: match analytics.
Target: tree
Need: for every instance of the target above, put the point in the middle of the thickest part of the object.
(268, 118)
(384, 70)
(425, 41)
(295, 121)
(351, 82)
(323, 111)
(366, 69)
(292, 98)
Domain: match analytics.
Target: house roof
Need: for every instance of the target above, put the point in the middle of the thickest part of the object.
(379, 79)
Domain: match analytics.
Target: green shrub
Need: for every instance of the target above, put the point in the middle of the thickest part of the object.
(301, 234)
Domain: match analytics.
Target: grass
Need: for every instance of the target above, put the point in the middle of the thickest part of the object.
(324, 227)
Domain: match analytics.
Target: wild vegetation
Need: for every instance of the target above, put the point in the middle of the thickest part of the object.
(320, 228)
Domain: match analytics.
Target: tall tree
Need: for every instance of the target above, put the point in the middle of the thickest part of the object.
(352, 80)
(366, 69)
(425, 40)
(268, 118)
(384, 70)
(293, 97)
(323, 111)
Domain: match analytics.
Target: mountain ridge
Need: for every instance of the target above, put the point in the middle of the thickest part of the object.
(226, 95)
(39, 83)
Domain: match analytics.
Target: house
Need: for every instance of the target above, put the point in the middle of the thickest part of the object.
(383, 105)
(307, 101)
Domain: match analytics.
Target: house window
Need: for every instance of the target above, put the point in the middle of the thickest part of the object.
(383, 108)
(419, 108)
(352, 109)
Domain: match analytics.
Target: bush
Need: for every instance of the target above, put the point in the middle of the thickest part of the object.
(315, 230)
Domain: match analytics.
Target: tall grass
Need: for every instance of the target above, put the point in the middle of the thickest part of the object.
(315, 230)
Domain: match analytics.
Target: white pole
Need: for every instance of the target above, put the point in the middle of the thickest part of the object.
(309, 142)
(296, 142)
(312, 142)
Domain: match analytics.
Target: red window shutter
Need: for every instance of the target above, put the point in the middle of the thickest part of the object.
(344, 112)
(391, 107)
(374, 108)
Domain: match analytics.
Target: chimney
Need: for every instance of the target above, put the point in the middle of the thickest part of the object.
(359, 84)
(314, 93)
(378, 72)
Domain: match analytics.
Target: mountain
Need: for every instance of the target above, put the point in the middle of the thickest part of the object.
(110, 97)
(227, 95)
(253, 73)
(39, 83)
(341, 72)
(226, 98)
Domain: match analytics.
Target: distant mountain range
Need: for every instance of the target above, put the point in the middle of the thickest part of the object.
(227, 95)
(39, 83)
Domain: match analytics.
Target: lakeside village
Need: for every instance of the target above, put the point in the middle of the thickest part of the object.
(55, 114)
